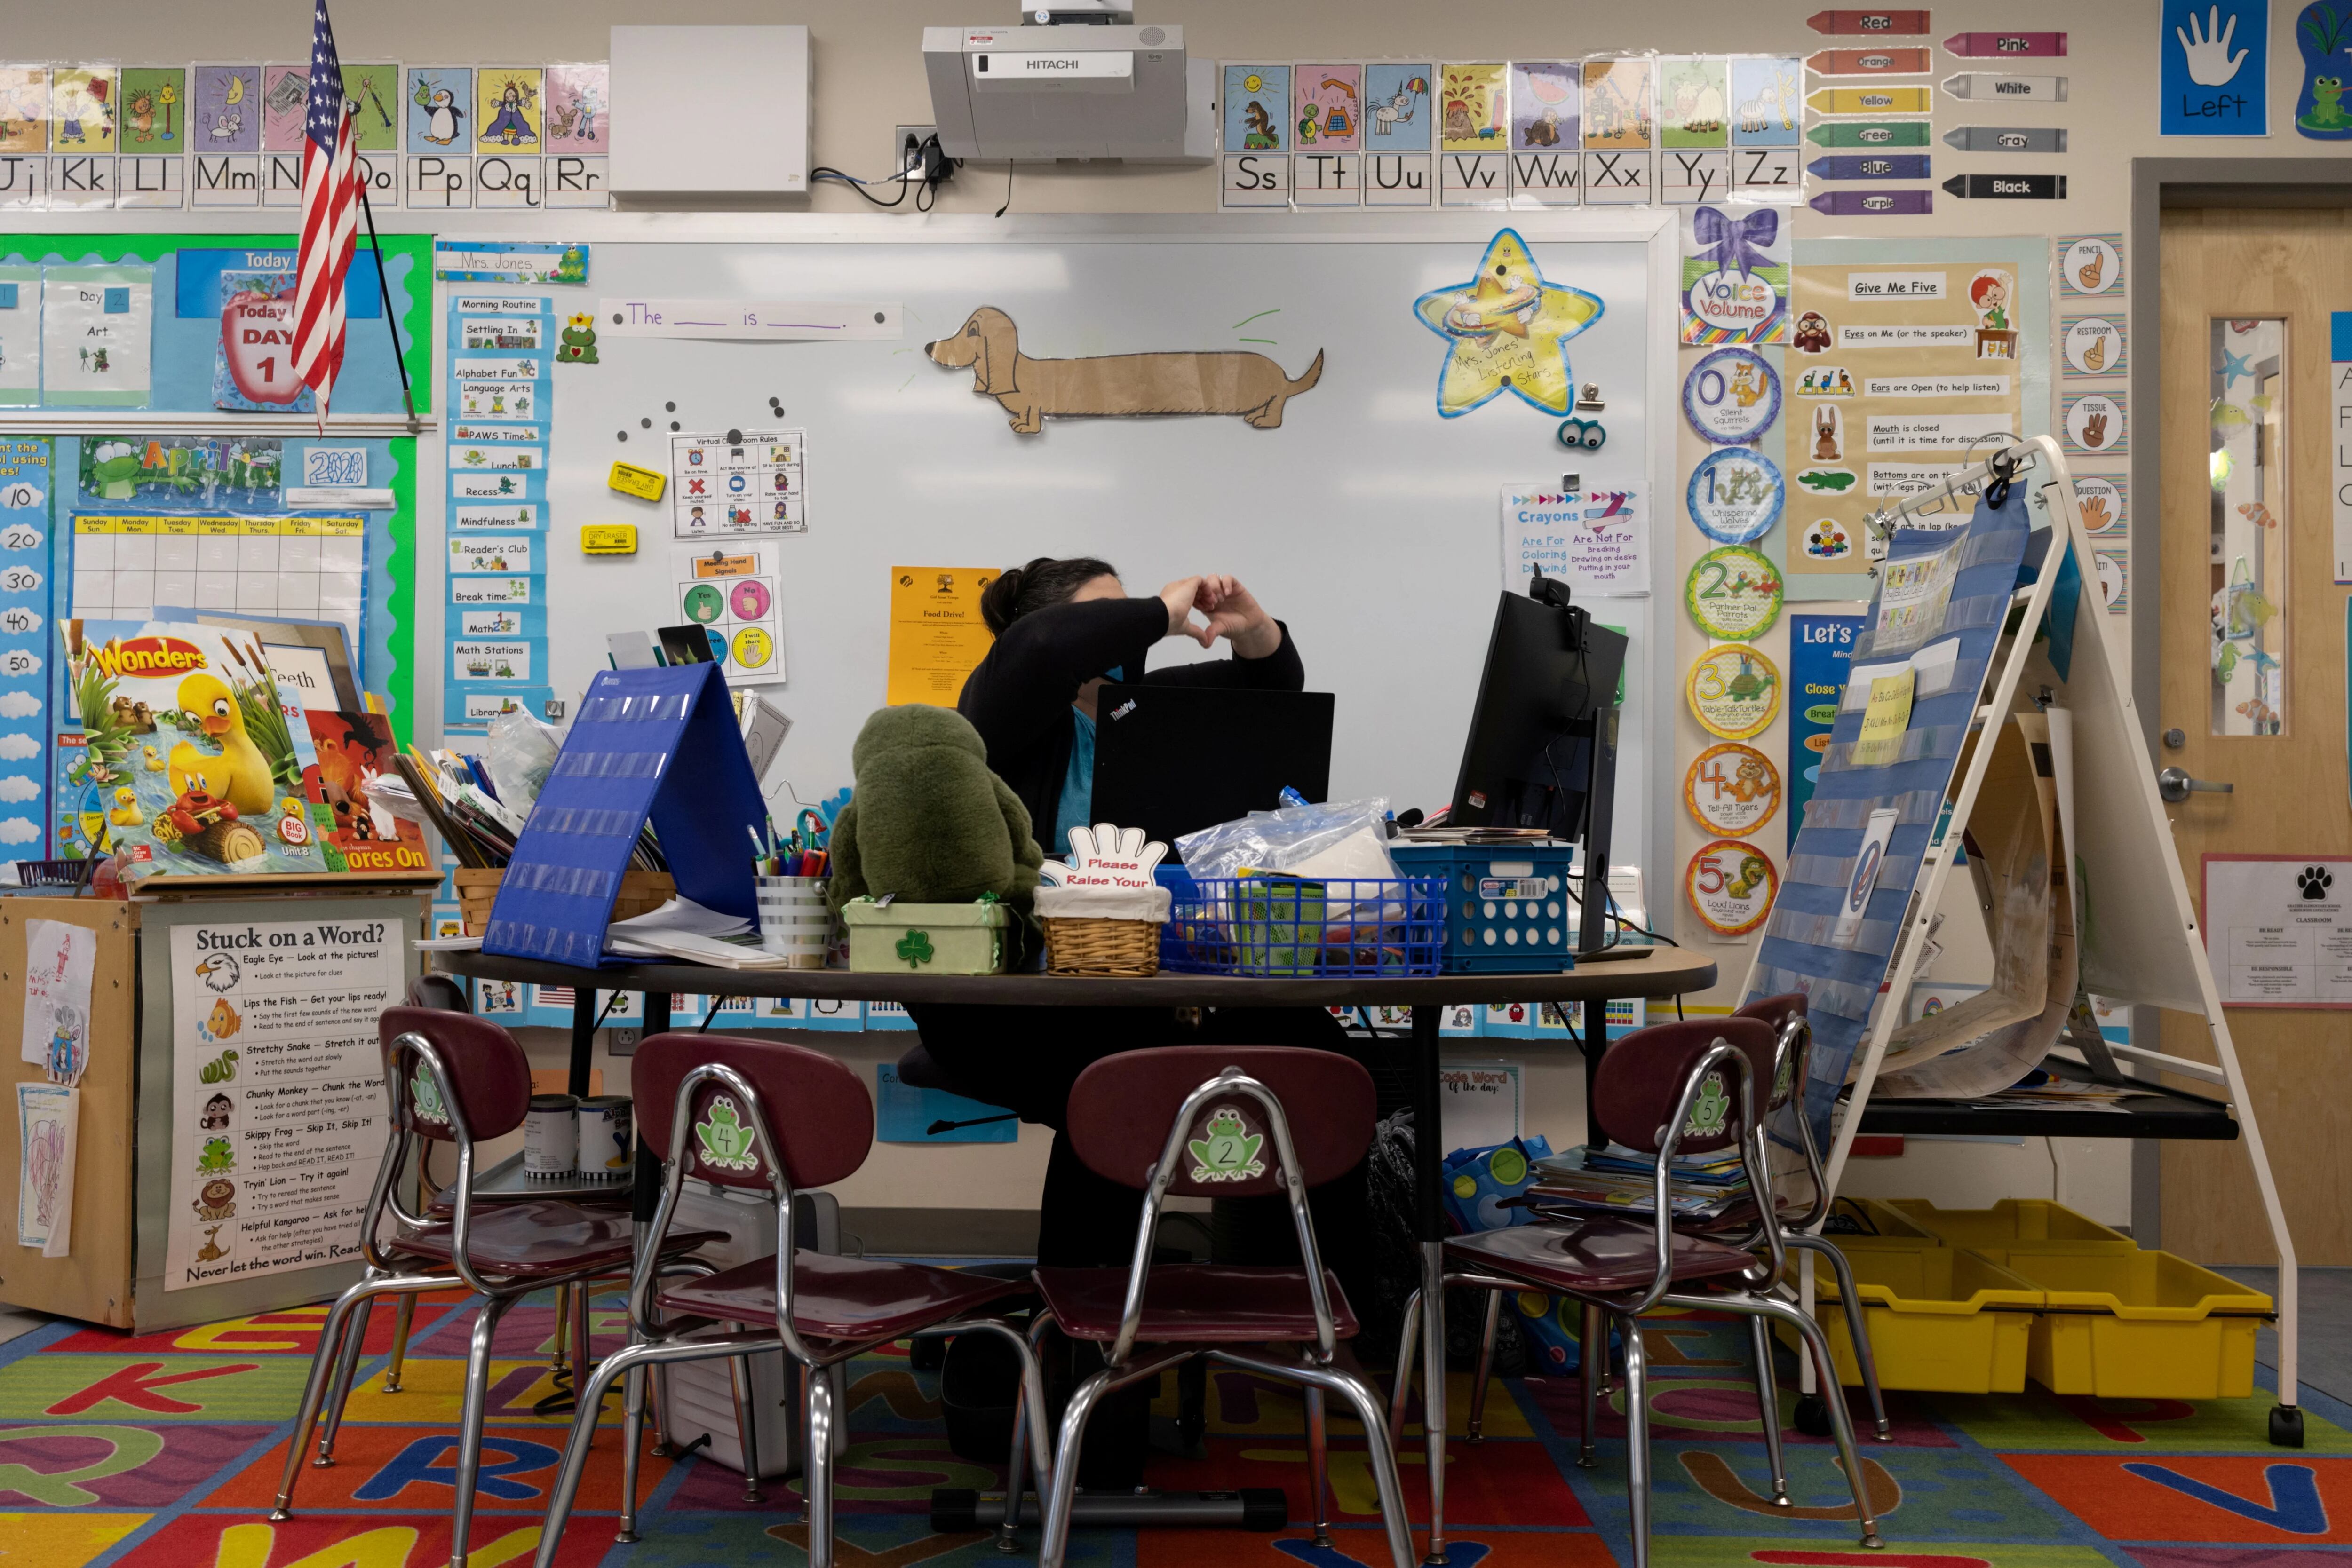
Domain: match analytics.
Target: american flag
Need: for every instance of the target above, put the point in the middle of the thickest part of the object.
(330, 199)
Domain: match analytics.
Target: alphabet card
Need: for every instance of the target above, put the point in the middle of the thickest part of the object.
(23, 109)
(1619, 128)
(1546, 127)
(1474, 134)
(1255, 131)
(508, 111)
(440, 105)
(1328, 168)
(1397, 137)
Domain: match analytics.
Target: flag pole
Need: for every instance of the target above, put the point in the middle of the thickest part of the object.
(391, 322)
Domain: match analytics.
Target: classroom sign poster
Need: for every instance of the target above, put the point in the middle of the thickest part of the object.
(276, 1093)
(500, 348)
(24, 480)
(1820, 654)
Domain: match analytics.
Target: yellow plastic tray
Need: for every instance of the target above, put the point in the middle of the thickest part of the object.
(2012, 1222)
(1939, 1319)
(2136, 1326)
(1883, 1224)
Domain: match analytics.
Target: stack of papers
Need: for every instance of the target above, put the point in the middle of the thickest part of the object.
(1620, 1181)
(686, 932)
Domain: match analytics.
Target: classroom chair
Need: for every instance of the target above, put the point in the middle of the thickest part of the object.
(453, 1078)
(763, 1115)
(1207, 1120)
(1664, 1091)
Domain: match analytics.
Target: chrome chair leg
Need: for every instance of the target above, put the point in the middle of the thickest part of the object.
(1364, 1400)
(1065, 1474)
(657, 1412)
(469, 1423)
(746, 1436)
(1767, 1405)
(1029, 1423)
(1408, 1342)
(1850, 1300)
(580, 1358)
(816, 1466)
(1592, 1348)
(1637, 1437)
(1486, 1364)
(400, 1327)
(633, 1428)
(1319, 1465)
(347, 1366)
(322, 1365)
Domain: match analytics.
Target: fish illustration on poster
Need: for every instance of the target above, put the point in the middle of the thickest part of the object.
(1544, 106)
(1507, 328)
(1735, 275)
(578, 96)
(507, 107)
(1328, 107)
(224, 107)
(1256, 98)
(440, 104)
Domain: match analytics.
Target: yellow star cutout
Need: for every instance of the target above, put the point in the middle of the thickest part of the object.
(1506, 329)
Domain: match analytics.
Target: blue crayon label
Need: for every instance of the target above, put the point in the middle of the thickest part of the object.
(1870, 166)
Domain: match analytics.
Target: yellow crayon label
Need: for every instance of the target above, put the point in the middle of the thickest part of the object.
(642, 483)
(1872, 101)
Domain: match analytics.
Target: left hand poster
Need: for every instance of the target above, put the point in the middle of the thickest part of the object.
(278, 1108)
(96, 328)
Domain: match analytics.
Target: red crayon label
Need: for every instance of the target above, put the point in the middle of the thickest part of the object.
(1867, 62)
(2006, 46)
(1868, 23)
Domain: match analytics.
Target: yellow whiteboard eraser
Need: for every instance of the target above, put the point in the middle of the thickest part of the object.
(610, 539)
(642, 483)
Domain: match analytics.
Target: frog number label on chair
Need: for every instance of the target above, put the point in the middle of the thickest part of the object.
(1226, 1150)
(1732, 788)
(1731, 885)
(1734, 593)
(1734, 692)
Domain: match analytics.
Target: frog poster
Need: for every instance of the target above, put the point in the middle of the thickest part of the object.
(189, 755)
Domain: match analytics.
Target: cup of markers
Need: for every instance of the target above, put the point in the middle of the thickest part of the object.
(789, 887)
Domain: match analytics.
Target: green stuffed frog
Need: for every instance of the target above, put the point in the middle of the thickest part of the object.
(929, 821)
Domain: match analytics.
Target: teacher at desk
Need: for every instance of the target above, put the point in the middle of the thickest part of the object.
(1064, 628)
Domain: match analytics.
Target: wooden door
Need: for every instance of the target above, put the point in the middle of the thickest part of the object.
(2246, 540)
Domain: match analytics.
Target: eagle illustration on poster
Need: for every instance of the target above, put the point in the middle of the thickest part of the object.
(1506, 329)
(1115, 386)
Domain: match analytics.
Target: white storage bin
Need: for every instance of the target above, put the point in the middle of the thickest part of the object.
(696, 1395)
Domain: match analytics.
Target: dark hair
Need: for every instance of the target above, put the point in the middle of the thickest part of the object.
(1043, 583)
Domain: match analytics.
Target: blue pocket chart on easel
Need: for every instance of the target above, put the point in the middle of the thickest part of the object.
(658, 745)
(1942, 598)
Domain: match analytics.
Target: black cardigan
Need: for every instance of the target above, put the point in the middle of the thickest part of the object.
(1019, 696)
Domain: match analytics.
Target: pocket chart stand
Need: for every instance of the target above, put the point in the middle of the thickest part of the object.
(657, 745)
(2025, 622)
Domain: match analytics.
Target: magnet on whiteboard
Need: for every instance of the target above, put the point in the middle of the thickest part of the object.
(642, 483)
(610, 539)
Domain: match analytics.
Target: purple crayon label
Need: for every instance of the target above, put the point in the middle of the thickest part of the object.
(1873, 204)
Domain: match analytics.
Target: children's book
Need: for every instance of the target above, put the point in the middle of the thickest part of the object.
(189, 755)
(355, 833)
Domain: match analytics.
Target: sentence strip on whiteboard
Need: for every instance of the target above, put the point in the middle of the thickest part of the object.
(802, 320)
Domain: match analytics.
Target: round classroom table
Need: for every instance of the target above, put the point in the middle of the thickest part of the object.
(1654, 972)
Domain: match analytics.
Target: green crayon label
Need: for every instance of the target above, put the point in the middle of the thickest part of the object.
(1869, 133)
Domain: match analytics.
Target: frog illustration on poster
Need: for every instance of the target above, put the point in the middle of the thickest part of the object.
(1734, 277)
(2324, 33)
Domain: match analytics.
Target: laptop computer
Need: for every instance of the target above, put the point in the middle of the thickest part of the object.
(1174, 760)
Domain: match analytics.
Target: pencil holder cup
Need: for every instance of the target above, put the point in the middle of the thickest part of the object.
(794, 919)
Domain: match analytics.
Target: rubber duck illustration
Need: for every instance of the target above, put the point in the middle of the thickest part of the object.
(240, 774)
(154, 759)
(126, 812)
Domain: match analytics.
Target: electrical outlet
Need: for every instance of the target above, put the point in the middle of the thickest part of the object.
(904, 141)
(620, 1042)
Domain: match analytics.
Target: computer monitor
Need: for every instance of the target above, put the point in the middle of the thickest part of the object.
(1173, 759)
(1530, 759)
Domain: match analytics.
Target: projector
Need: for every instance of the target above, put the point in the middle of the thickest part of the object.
(1076, 81)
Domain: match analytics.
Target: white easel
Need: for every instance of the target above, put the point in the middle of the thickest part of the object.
(2144, 946)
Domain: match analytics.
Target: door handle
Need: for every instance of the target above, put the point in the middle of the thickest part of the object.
(2174, 784)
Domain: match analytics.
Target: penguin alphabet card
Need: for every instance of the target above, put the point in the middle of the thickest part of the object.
(193, 752)
(440, 109)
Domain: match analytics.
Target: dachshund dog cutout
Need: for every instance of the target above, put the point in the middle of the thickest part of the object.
(1115, 386)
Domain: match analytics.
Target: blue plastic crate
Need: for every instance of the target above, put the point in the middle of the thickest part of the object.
(1303, 926)
(1506, 905)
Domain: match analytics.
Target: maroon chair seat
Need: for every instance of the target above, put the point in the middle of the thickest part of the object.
(543, 1236)
(1194, 1303)
(1604, 1255)
(444, 1207)
(840, 1298)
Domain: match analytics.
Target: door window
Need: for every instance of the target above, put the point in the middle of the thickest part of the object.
(2248, 465)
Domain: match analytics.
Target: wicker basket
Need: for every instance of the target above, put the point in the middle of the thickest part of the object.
(642, 893)
(1076, 946)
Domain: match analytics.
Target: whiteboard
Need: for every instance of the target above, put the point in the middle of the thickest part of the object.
(1365, 521)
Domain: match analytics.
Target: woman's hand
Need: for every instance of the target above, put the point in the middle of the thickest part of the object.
(1180, 596)
(1235, 615)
